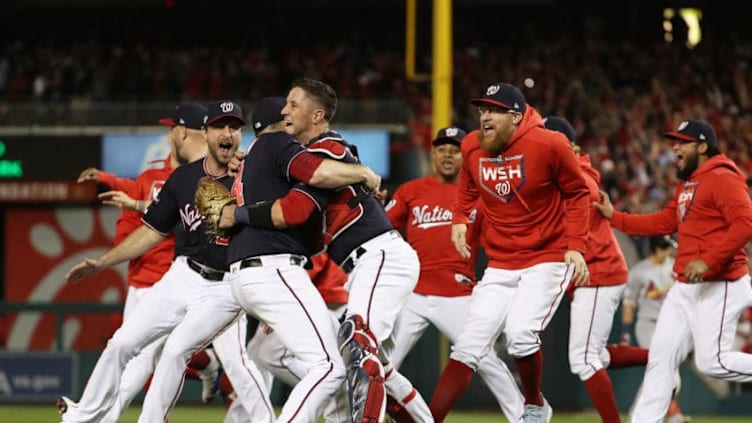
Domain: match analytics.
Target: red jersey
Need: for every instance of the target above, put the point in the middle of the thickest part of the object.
(328, 278)
(422, 209)
(147, 269)
(713, 214)
(605, 259)
(524, 192)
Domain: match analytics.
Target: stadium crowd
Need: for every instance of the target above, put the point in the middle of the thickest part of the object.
(620, 96)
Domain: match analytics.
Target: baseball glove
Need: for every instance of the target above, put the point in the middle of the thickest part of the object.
(211, 197)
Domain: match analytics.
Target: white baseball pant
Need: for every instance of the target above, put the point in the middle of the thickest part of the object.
(521, 302)
(591, 316)
(185, 306)
(703, 316)
(448, 315)
(282, 295)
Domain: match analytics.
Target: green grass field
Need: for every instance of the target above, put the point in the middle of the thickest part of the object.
(208, 414)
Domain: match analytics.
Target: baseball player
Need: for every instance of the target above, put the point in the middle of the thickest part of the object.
(702, 310)
(648, 283)
(133, 196)
(268, 278)
(192, 304)
(535, 203)
(593, 305)
(422, 208)
(382, 267)
(265, 347)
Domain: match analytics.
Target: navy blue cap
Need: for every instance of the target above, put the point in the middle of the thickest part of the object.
(190, 115)
(222, 109)
(501, 94)
(694, 130)
(449, 135)
(267, 111)
(559, 124)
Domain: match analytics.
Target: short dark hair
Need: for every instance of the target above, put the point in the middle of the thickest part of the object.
(712, 150)
(321, 92)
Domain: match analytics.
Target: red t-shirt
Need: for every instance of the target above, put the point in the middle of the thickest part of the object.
(422, 209)
(524, 192)
(147, 269)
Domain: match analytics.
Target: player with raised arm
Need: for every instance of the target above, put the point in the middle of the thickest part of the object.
(701, 311)
(191, 305)
(382, 267)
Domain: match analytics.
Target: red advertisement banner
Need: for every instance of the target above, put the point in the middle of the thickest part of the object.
(41, 245)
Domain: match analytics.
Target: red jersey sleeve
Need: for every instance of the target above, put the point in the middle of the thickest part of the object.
(304, 165)
(129, 186)
(396, 208)
(574, 189)
(662, 222)
(467, 195)
(733, 201)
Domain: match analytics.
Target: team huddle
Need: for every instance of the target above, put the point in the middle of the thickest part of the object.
(294, 232)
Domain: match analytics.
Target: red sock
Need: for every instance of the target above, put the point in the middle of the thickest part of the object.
(225, 387)
(626, 356)
(199, 361)
(452, 383)
(147, 384)
(673, 408)
(530, 369)
(397, 411)
(192, 374)
(602, 394)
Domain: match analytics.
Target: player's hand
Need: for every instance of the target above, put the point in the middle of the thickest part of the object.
(234, 165)
(82, 270)
(694, 270)
(459, 232)
(227, 216)
(381, 195)
(372, 181)
(605, 206)
(119, 199)
(581, 274)
(88, 174)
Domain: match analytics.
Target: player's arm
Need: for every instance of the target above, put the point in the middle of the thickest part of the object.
(137, 243)
(467, 194)
(627, 321)
(629, 304)
(123, 201)
(291, 210)
(327, 173)
(106, 178)
(662, 222)
(736, 208)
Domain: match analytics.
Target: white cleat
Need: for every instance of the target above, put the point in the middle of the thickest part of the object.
(537, 413)
(210, 378)
(64, 403)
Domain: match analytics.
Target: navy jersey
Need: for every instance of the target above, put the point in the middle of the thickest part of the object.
(264, 175)
(352, 216)
(174, 209)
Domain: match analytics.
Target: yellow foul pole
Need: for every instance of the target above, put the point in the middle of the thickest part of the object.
(442, 64)
(441, 79)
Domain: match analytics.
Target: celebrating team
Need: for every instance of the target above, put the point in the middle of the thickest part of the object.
(513, 186)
